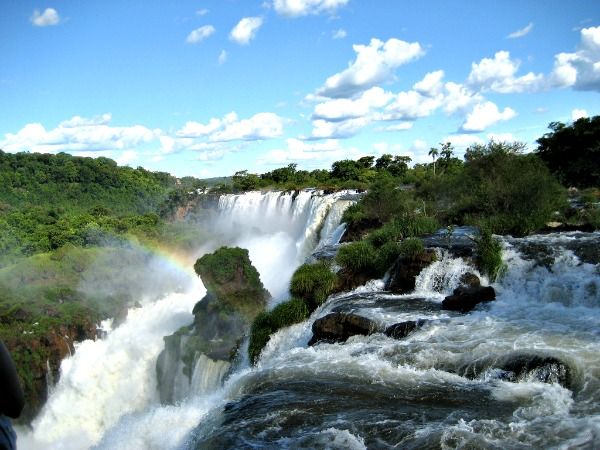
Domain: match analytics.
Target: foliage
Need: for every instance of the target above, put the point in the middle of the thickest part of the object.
(572, 152)
(489, 251)
(230, 276)
(411, 247)
(357, 257)
(313, 283)
(501, 189)
(266, 323)
(385, 257)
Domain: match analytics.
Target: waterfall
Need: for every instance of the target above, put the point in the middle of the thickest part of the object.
(281, 229)
(107, 394)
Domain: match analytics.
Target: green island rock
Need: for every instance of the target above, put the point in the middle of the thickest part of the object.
(198, 356)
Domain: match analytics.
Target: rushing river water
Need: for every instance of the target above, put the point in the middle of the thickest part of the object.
(440, 387)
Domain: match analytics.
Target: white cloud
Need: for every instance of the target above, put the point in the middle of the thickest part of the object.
(498, 75)
(578, 114)
(521, 32)
(230, 128)
(126, 157)
(48, 18)
(374, 64)
(298, 8)
(260, 126)
(581, 69)
(431, 84)
(484, 115)
(401, 126)
(79, 134)
(199, 34)
(202, 12)
(339, 109)
(462, 141)
(459, 99)
(411, 105)
(323, 129)
(340, 33)
(245, 30)
(222, 57)
(310, 154)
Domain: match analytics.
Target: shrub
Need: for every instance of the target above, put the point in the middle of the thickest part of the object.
(386, 256)
(489, 251)
(411, 247)
(266, 323)
(313, 283)
(390, 232)
(357, 257)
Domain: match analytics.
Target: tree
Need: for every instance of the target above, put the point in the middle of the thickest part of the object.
(345, 170)
(433, 152)
(572, 152)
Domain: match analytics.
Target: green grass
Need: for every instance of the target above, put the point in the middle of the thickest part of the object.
(313, 283)
(411, 247)
(489, 251)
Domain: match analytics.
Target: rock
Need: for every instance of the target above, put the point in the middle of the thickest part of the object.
(469, 280)
(465, 299)
(403, 329)
(405, 270)
(235, 296)
(524, 366)
(338, 327)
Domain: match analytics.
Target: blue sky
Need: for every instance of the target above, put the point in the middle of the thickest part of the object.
(205, 88)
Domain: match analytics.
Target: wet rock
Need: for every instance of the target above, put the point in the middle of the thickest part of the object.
(516, 367)
(459, 241)
(405, 270)
(338, 327)
(403, 329)
(464, 299)
(469, 280)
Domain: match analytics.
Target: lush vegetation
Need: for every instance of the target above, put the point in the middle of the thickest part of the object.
(266, 323)
(572, 152)
(313, 283)
(489, 255)
(230, 276)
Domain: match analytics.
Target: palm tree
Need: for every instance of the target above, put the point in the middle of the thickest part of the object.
(447, 151)
(434, 153)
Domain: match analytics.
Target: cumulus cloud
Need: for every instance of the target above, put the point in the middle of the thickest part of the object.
(199, 34)
(78, 134)
(222, 57)
(310, 154)
(411, 105)
(260, 126)
(498, 75)
(578, 114)
(340, 33)
(323, 129)
(126, 157)
(202, 12)
(299, 8)
(485, 115)
(245, 30)
(374, 63)
(339, 109)
(521, 32)
(581, 69)
(459, 99)
(47, 18)
(400, 126)
(431, 84)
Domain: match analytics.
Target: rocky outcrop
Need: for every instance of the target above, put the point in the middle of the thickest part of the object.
(405, 270)
(516, 367)
(464, 299)
(403, 329)
(338, 327)
(198, 356)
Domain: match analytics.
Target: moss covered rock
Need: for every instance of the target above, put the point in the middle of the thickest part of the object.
(235, 297)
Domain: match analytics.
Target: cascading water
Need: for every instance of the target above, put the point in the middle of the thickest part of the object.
(107, 394)
(444, 386)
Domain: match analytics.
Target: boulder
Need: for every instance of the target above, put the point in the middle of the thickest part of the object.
(464, 299)
(403, 329)
(523, 366)
(206, 348)
(406, 269)
(469, 280)
(338, 327)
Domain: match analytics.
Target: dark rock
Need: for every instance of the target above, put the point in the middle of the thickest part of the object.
(359, 229)
(406, 269)
(465, 299)
(338, 327)
(403, 329)
(459, 242)
(516, 367)
(469, 280)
